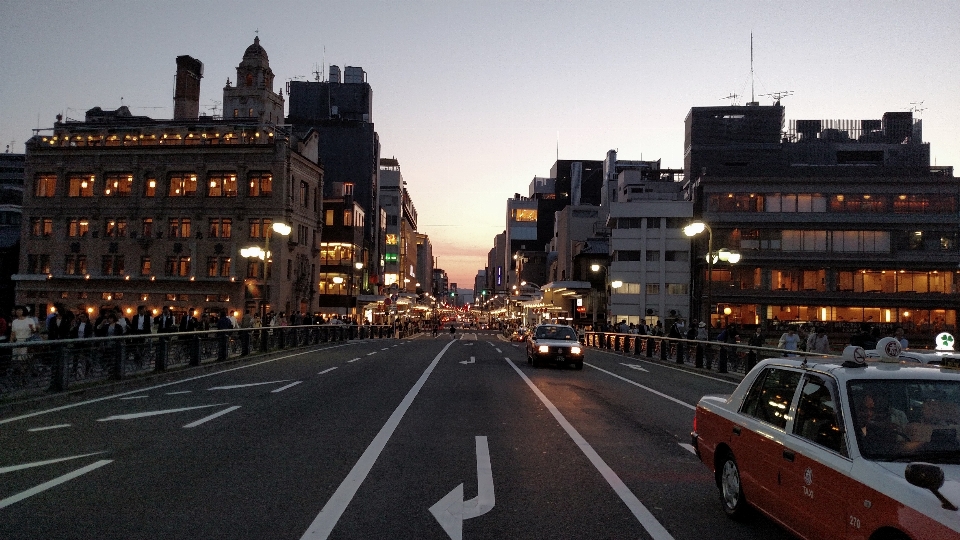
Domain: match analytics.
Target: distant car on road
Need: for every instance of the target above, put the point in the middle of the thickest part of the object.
(554, 343)
(839, 448)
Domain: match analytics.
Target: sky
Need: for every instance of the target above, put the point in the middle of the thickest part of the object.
(476, 98)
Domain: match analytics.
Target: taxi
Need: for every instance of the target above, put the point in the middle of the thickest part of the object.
(839, 447)
(554, 343)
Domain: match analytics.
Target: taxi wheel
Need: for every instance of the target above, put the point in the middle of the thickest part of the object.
(731, 490)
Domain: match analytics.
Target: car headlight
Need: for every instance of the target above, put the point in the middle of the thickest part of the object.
(543, 348)
(574, 350)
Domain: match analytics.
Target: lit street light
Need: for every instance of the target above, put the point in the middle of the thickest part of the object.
(256, 252)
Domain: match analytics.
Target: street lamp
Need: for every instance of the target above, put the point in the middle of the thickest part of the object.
(721, 255)
(256, 252)
(616, 284)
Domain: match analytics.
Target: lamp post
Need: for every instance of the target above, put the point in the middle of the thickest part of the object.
(721, 255)
(256, 252)
(616, 284)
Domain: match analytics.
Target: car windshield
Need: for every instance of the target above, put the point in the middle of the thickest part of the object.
(556, 332)
(907, 420)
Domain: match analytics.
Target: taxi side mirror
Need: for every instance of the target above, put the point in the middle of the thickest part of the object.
(927, 476)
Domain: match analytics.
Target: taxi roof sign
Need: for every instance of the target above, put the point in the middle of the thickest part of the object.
(944, 341)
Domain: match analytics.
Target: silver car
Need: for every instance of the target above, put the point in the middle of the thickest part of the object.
(554, 343)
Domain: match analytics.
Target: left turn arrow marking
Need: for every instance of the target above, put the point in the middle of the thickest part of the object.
(451, 510)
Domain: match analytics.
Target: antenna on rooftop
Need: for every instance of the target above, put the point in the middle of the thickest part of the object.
(752, 99)
(316, 72)
(777, 96)
(733, 98)
(917, 107)
(215, 107)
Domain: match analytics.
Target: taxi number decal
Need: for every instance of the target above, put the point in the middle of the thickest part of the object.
(808, 492)
(855, 522)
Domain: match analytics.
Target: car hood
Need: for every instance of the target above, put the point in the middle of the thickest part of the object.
(922, 499)
(556, 342)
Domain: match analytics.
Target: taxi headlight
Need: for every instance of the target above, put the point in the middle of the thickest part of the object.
(543, 349)
(574, 350)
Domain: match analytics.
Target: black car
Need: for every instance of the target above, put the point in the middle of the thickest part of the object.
(554, 343)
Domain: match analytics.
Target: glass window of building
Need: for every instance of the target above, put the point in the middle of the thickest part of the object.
(45, 185)
(222, 185)
(78, 228)
(118, 184)
(261, 184)
(183, 185)
(81, 185)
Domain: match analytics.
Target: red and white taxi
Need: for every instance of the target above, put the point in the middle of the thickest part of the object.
(839, 447)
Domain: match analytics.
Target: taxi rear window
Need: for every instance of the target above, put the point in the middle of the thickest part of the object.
(769, 398)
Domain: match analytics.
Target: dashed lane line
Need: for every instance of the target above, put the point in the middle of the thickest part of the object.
(328, 370)
(52, 483)
(282, 388)
(212, 416)
(45, 428)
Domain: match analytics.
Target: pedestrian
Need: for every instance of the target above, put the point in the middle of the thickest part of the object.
(755, 340)
(188, 322)
(166, 322)
(789, 340)
(818, 342)
(898, 335)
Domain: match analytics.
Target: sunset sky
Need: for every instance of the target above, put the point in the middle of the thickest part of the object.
(474, 98)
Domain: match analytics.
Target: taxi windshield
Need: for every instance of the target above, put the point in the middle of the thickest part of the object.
(907, 420)
(556, 332)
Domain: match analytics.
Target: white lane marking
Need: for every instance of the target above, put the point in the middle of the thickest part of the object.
(350, 361)
(371, 353)
(212, 416)
(133, 416)
(282, 388)
(55, 482)
(22, 466)
(499, 351)
(385, 349)
(89, 401)
(472, 360)
(135, 397)
(688, 448)
(451, 510)
(328, 370)
(634, 366)
(232, 386)
(58, 426)
(646, 519)
(647, 388)
(180, 392)
(718, 379)
(327, 519)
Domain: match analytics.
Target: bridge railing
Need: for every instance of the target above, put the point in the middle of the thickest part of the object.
(713, 356)
(36, 367)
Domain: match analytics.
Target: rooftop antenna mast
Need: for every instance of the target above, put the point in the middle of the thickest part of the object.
(778, 96)
(732, 97)
(752, 98)
(917, 107)
(316, 73)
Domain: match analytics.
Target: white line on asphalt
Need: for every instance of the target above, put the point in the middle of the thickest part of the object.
(647, 388)
(133, 416)
(646, 519)
(282, 388)
(499, 351)
(371, 353)
(89, 401)
(135, 397)
(327, 519)
(232, 386)
(328, 370)
(385, 349)
(180, 392)
(634, 366)
(55, 482)
(22, 466)
(718, 379)
(352, 360)
(688, 448)
(212, 416)
(58, 426)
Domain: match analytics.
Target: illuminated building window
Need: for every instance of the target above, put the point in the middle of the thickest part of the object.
(147, 230)
(389, 279)
(391, 239)
(222, 185)
(46, 185)
(179, 228)
(328, 218)
(183, 185)
(347, 218)
(150, 187)
(145, 266)
(261, 184)
(218, 266)
(112, 265)
(524, 214)
(41, 226)
(178, 266)
(347, 188)
(38, 264)
(259, 228)
(118, 185)
(81, 185)
(75, 265)
(221, 227)
(78, 228)
(116, 228)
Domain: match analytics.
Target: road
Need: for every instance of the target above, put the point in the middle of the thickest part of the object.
(426, 438)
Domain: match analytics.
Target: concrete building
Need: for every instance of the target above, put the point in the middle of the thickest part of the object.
(133, 210)
(400, 253)
(837, 221)
(11, 201)
(424, 263)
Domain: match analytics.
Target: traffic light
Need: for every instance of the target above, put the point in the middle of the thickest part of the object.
(452, 293)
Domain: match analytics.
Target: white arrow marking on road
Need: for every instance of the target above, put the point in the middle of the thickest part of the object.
(282, 388)
(328, 370)
(155, 413)
(13, 468)
(55, 482)
(634, 366)
(232, 386)
(472, 360)
(212, 416)
(451, 510)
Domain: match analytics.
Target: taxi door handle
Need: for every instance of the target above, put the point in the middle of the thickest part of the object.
(736, 430)
(788, 455)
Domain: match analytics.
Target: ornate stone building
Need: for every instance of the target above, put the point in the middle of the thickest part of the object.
(124, 210)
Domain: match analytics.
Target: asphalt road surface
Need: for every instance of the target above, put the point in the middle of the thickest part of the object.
(425, 438)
